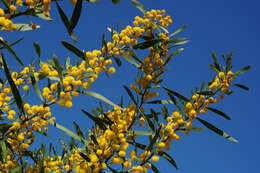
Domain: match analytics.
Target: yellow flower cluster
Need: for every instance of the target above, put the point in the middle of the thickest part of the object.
(5, 19)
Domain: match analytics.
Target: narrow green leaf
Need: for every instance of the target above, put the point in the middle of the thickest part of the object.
(17, 168)
(228, 61)
(213, 68)
(118, 61)
(177, 40)
(3, 150)
(147, 44)
(216, 62)
(202, 85)
(177, 94)
(100, 122)
(167, 60)
(15, 91)
(154, 168)
(17, 41)
(243, 70)
(12, 52)
(219, 112)
(76, 14)
(178, 31)
(84, 156)
(37, 48)
(141, 133)
(73, 49)
(115, 1)
(4, 127)
(66, 22)
(241, 86)
(160, 102)
(58, 67)
(131, 61)
(206, 93)
(93, 138)
(130, 94)
(78, 130)
(153, 141)
(175, 102)
(43, 16)
(100, 97)
(34, 84)
(216, 130)
(25, 27)
(67, 131)
(168, 158)
(138, 5)
(195, 129)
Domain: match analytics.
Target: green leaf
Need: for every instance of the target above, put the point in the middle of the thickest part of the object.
(138, 5)
(73, 49)
(84, 156)
(172, 55)
(78, 130)
(168, 158)
(76, 14)
(213, 68)
(160, 102)
(175, 102)
(130, 94)
(17, 168)
(118, 61)
(177, 40)
(141, 133)
(66, 22)
(219, 112)
(241, 86)
(131, 61)
(37, 48)
(25, 27)
(67, 131)
(34, 84)
(228, 62)
(216, 130)
(153, 141)
(58, 67)
(216, 62)
(93, 138)
(154, 168)
(115, 1)
(100, 97)
(100, 122)
(243, 70)
(147, 44)
(4, 127)
(3, 150)
(12, 52)
(42, 16)
(178, 31)
(17, 41)
(195, 129)
(15, 91)
(206, 93)
(177, 94)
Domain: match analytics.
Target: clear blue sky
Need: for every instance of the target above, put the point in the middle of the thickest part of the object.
(219, 26)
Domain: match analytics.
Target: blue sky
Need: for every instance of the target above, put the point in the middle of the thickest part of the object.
(221, 26)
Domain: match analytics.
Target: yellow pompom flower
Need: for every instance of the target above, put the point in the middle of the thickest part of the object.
(111, 70)
(12, 8)
(155, 159)
(25, 87)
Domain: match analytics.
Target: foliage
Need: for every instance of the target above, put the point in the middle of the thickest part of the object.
(113, 143)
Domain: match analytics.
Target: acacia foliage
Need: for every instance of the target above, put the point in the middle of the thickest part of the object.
(113, 144)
